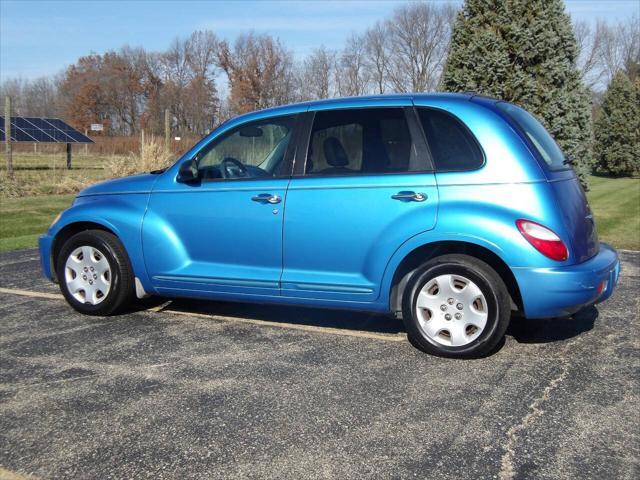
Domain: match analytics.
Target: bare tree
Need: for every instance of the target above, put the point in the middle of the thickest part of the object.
(351, 73)
(316, 78)
(120, 80)
(201, 101)
(176, 73)
(419, 38)
(41, 98)
(201, 53)
(377, 56)
(14, 88)
(620, 48)
(610, 52)
(605, 49)
(630, 46)
(589, 43)
(34, 98)
(259, 70)
(151, 118)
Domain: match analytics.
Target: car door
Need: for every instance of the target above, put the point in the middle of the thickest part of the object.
(223, 232)
(364, 184)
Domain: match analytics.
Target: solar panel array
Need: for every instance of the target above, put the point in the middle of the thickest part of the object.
(42, 130)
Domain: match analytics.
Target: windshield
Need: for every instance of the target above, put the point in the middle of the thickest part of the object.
(537, 135)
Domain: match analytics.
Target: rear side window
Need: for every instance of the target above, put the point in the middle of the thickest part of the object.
(361, 141)
(536, 133)
(453, 148)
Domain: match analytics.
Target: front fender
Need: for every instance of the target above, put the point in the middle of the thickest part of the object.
(122, 214)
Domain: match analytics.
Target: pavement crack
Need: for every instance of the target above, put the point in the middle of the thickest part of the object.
(507, 467)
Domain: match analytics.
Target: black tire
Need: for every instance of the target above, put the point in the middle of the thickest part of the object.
(122, 286)
(491, 286)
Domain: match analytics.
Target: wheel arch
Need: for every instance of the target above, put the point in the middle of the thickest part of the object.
(68, 231)
(419, 255)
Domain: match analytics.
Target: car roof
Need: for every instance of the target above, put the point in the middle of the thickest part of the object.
(384, 98)
(344, 102)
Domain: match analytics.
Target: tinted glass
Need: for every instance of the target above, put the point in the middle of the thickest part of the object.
(536, 133)
(361, 141)
(259, 148)
(453, 148)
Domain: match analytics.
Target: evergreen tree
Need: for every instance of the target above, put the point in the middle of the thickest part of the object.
(524, 51)
(617, 130)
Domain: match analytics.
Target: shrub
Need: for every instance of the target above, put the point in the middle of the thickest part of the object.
(617, 130)
(524, 52)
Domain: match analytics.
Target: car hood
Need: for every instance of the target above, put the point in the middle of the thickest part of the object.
(142, 183)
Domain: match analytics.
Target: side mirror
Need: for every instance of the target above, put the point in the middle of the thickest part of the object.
(188, 172)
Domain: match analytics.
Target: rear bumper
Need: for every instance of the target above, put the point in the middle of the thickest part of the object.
(562, 291)
(44, 247)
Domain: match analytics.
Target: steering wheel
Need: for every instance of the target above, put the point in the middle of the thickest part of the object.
(232, 168)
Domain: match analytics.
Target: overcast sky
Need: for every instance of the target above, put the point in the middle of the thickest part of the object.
(42, 37)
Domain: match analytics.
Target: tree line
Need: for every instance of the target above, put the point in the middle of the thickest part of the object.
(527, 52)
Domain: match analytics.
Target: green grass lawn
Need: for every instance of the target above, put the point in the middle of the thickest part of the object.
(22, 220)
(615, 203)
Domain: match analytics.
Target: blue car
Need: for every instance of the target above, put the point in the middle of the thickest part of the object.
(448, 210)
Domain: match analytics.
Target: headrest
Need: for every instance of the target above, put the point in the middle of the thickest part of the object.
(335, 153)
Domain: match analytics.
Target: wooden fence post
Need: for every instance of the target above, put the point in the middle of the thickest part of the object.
(7, 136)
(167, 130)
(68, 156)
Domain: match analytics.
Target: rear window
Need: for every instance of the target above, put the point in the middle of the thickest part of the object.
(536, 133)
(453, 148)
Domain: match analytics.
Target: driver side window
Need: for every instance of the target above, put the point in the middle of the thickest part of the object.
(252, 150)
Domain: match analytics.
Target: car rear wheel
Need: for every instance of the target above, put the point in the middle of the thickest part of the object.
(456, 306)
(94, 273)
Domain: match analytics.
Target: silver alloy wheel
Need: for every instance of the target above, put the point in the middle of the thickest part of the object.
(88, 275)
(451, 310)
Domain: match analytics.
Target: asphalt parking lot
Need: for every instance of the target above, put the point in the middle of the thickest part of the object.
(212, 390)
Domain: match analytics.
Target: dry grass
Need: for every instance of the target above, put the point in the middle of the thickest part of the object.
(46, 173)
(154, 156)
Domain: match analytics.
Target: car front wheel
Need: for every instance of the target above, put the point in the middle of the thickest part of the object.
(456, 306)
(94, 273)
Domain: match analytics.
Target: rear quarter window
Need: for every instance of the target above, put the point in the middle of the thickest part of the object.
(537, 135)
(452, 145)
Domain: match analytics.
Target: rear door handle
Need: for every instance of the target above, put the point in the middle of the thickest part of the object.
(410, 196)
(266, 198)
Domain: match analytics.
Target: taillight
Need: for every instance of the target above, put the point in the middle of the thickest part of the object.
(543, 240)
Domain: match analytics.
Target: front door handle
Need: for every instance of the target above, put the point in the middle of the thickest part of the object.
(410, 196)
(267, 198)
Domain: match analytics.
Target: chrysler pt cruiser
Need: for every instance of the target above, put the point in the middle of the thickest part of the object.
(448, 210)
